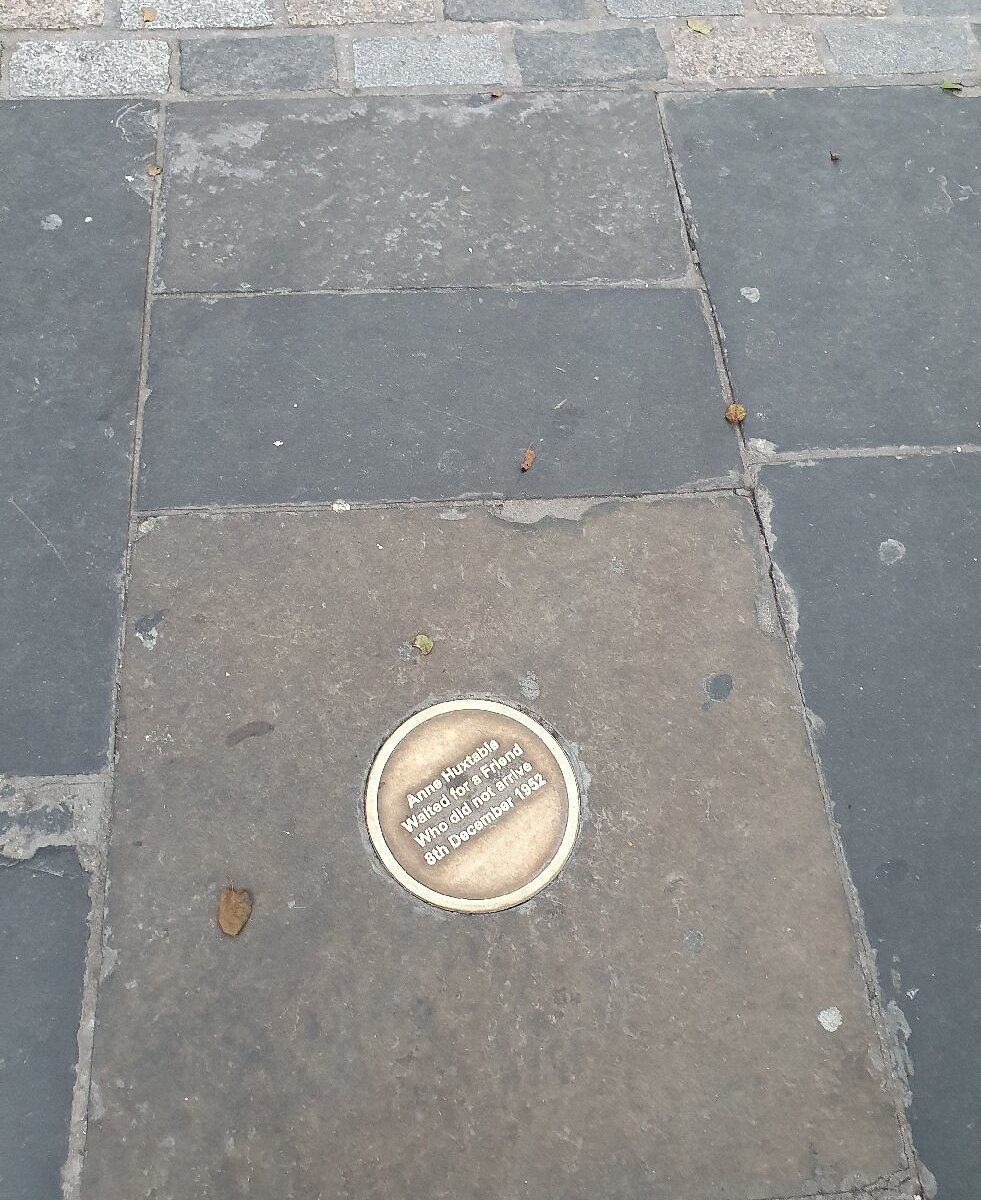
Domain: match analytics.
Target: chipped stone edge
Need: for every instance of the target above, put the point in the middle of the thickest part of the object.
(85, 797)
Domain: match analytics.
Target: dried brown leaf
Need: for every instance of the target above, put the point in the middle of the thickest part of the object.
(154, 170)
(834, 157)
(496, 93)
(147, 15)
(735, 414)
(423, 643)
(698, 26)
(234, 909)
(528, 459)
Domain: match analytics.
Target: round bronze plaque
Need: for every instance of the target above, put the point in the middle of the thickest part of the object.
(472, 805)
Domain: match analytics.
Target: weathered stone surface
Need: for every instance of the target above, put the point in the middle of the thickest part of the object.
(598, 57)
(356, 12)
(43, 908)
(50, 14)
(658, 1004)
(882, 558)
(846, 291)
(73, 242)
(417, 191)
(877, 48)
(444, 59)
(296, 398)
(729, 53)
(102, 68)
(225, 66)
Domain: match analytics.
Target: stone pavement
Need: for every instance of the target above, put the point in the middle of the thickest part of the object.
(271, 366)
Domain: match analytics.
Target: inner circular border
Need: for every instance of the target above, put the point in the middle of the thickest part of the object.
(459, 903)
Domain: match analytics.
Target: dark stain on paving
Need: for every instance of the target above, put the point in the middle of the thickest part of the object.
(250, 730)
(718, 687)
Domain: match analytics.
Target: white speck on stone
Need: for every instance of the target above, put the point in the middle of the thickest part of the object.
(891, 551)
(109, 433)
(149, 638)
(51, 221)
(442, 60)
(529, 686)
(88, 220)
(750, 294)
(341, 506)
(831, 1019)
(91, 68)
(197, 14)
(279, 443)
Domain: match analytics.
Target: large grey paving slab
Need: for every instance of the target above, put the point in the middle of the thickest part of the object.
(297, 398)
(846, 291)
(647, 1026)
(883, 558)
(417, 191)
(43, 910)
(73, 243)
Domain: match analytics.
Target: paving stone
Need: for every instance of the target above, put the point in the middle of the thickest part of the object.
(882, 556)
(224, 66)
(755, 53)
(940, 8)
(604, 55)
(43, 910)
(667, 1058)
(418, 191)
(515, 10)
(445, 59)
(863, 332)
(103, 68)
(198, 14)
(843, 8)
(50, 14)
(282, 399)
(355, 12)
(673, 8)
(910, 48)
(73, 242)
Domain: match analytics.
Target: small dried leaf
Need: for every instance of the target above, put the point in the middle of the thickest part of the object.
(528, 459)
(234, 909)
(423, 643)
(697, 25)
(735, 414)
(153, 171)
(950, 85)
(834, 157)
(147, 15)
(496, 93)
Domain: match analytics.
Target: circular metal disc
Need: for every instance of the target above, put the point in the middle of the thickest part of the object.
(472, 805)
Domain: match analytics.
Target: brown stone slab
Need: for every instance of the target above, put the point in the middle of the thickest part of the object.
(647, 1026)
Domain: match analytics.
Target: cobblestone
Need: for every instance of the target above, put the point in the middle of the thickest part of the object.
(754, 53)
(674, 8)
(606, 55)
(95, 68)
(359, 12)
(197, 14)
(443, 60)
(50, 14)
(828, 8)
(876, 48)
(230, 66)
(515, 10)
